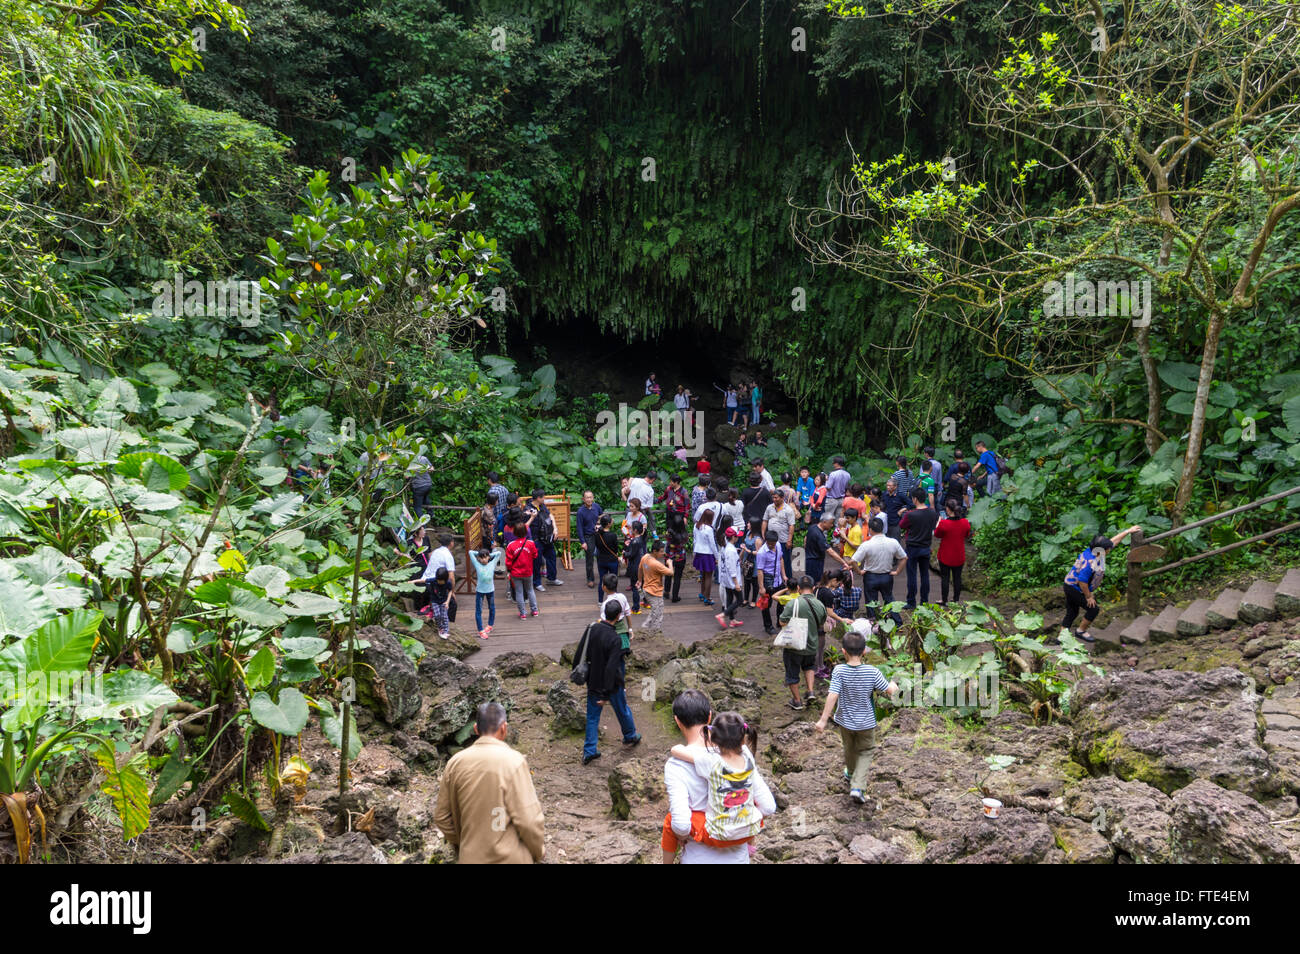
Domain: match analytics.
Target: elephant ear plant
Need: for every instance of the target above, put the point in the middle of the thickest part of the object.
(48, 700)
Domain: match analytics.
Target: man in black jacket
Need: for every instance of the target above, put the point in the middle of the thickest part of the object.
(605, 680)
(755, 499)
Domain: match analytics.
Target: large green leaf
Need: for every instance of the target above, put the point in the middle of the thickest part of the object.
(92, 444)
(185, 637)
(253, 609)
(151, 501)
(260, 669)
(128, 790)
(1182, 402)
(156, 471)
(186, 404)
(280, 509)
(159, 375)
(53, 572)
(1179, 375)
(174, 773)
(121, 394)
(331, 727)
(288, 716)
(311, 604)
(272, 579)
(1080, 520)
(127, 694)
(271, 476)
(1291, 414)
(303, 647)
(54, 655)
(1157, 474)
(243, 809)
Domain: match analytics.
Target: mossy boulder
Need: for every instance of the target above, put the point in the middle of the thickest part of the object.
(1168, 728)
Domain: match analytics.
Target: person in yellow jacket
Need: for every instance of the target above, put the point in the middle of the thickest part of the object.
(487, 806)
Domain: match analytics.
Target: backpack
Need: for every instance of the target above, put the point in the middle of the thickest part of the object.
(1004, 467)
(731, 813)
(544, 527)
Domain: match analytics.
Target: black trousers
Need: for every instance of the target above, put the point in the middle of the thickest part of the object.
(879, 586)
(1074, 603)
(946, 571)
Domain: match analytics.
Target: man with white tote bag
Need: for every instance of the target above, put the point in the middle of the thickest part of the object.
(800, 618)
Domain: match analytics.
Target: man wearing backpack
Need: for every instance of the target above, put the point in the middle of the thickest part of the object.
(602, 650)
(994, 466)
(544, 535)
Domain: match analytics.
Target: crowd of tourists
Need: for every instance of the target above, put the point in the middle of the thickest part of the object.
(739, 540)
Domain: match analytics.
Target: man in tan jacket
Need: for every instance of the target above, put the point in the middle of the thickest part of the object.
(487, 806)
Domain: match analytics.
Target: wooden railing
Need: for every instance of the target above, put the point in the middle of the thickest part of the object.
(1145, 550)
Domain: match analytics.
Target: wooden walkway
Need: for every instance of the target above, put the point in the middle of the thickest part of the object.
(564, 611)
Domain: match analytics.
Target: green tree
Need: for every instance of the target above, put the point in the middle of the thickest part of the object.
(1154, 142)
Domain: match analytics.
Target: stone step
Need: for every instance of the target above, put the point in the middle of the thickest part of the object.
(1257, 606)
(1287, 597)
(1192, 621)
(1109, 638)
(1222, 613)
(1137, 632)
(1165, 626)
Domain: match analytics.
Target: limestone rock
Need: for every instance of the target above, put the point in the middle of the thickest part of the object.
(387, 683)
(1082, 844)
(1132, 816)
(570, 716)
(353, 848)
(515, 664)
(1016, 836)
(635, 783)
(1212, 825)
(454, 690)
(873, 851)
(709, 673)
(1168, 728)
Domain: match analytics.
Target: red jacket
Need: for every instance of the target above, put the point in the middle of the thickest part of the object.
(520, 556)
(952, 536)
(702, 466)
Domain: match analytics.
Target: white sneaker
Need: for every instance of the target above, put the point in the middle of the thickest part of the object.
(556, 582)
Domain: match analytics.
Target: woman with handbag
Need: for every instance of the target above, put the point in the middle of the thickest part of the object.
(802, 618)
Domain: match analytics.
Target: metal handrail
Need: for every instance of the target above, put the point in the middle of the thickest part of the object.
(1137, 575)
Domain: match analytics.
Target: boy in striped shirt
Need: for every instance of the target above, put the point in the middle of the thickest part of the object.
(853, 685)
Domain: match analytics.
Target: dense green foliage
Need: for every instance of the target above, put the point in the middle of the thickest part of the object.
(378, 180)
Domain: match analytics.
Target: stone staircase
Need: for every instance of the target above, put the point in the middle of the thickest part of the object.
(1262, 601)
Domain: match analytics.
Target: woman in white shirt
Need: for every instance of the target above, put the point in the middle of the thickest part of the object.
(734, 509)
(729, 579)
(706, 554)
